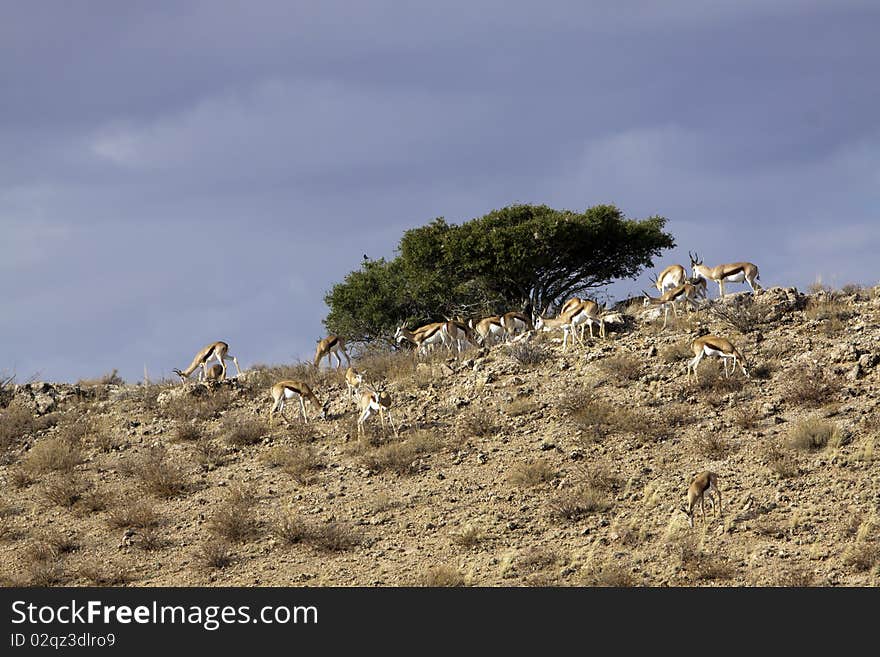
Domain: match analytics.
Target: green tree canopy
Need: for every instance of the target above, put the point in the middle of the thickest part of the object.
(520, 257)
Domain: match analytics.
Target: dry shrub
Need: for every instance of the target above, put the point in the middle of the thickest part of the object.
(479, 424)
(241, 432)
(536, 559)
(299, 462)
(91, 501)
(814, 433)
(205, 405)
(43, 573)
(65, 489)
(391, 366)
(528, 353)
(794, 577)
(609, 574)
(20, 477)
(711, 445)
(215, 554)
(234, 519)
(676, 352)
(16, 422)
(747, 417)
(401, 457)
(187, 433)
(208, 454)
(52, 454)
(712, 384)
(441, 576)
(521, 406)
(577, 502)
(335, 536)
(469, 536)
(862, 555)
(621, 367)
(811, 385)
(51, 544)
(763, 371)
(590, 413)
(97, 571)
(699, 563)
(742, 314)
(108, 379)
(150, 539)
(158, 474)
(526, 475)
(783, 464)
(133, 513)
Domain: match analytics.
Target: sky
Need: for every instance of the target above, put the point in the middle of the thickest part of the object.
(176, 173)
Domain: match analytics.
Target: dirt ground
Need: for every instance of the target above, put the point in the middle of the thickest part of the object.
(520, 465)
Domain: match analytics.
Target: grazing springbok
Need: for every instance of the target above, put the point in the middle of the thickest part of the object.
(284, 390)
(702, 485)
(216, 350)
(331, 346)
(713, 345)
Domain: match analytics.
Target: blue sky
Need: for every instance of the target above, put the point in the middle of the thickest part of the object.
(176, 173)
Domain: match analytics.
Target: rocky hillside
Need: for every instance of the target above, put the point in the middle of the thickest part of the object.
(515, 465)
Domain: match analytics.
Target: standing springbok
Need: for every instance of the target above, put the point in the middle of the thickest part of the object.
(370, 401)
(354, 380)
(458, 334)
(703, 484)
(423, 337)
(215, 350)
(516, 323)
(488, 330)
(287, 390)
(735, 272)
(331, 346)
(560, 322)
(713, 345)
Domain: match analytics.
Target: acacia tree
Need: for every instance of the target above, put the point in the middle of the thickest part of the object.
(520, 257)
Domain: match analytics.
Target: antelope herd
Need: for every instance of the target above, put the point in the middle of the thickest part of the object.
(672, 284)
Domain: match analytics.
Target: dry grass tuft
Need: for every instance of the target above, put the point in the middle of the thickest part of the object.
(300, 462)
(401, 457)
(65, 489)
(234, 519)
(16, 423)
(186, 432)
(811, 385)
(479, 424)
(609, 575)
(97, 571)
(333, 536)
(215, 554)
(814, 433)
(52, 455)
(239, 432)
(133, 513)
(526, 475)
(780, 462)
(158, 474)
(711, 445)
(469, 536)
(441, 576)
(205, 406)
(621, 367)
(527, 354)
(578, 502)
